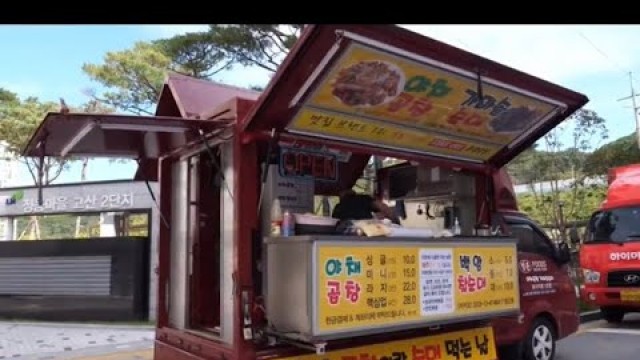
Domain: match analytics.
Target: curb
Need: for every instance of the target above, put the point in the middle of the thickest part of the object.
(590, 316)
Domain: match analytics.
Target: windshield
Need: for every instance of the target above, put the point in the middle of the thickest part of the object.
(617, 225)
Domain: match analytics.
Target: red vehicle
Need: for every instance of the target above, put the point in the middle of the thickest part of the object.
(547, 292)
(610, 253)
(230, 287)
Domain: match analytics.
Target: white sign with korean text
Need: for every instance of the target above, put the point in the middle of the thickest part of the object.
(96, 197)
(436, 281)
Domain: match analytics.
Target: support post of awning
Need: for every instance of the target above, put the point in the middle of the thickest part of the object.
(41, 172)
(153, 196)
(214, 162)
(265, 169)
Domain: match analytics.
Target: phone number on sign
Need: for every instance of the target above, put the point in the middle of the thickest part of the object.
(89, 202)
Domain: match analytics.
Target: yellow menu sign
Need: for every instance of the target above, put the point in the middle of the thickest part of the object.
(474, 344)
(364, 287)
(424, 98)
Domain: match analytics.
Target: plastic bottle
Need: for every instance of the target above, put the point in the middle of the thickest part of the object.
(456, 227)
(276, 218)
(288, 224)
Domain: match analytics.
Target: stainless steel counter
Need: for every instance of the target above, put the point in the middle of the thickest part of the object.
(327, 287)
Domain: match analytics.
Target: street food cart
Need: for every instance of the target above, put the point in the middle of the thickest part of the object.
(231, 289)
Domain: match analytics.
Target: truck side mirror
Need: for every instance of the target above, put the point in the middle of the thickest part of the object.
(574, 236)
(563, 253)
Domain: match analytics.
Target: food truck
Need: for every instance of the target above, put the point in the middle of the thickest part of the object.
(610, 253)
(236, 282)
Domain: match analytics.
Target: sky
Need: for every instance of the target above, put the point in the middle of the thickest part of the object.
(46, 61)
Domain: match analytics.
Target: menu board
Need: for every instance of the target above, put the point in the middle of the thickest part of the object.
(362, 287)
(376, 97)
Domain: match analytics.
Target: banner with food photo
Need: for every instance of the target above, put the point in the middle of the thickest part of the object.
(427, 97)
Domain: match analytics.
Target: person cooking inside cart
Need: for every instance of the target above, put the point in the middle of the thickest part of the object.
(354, 206)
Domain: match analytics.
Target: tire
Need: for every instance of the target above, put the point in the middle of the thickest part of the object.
(613, 316)
(540, 343)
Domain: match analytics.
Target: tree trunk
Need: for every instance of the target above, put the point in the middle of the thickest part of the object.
(78, 226)
(83, 178)
(37, 226)
(34, 227)
(24, 231)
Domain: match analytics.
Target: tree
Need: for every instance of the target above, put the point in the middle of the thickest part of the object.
(623, 151)
(262, 45)
(8, 97)
(133, 77)
(194, 54)
(18, 121)
(557, 162)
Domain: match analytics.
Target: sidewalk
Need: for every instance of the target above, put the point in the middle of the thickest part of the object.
(53, 341)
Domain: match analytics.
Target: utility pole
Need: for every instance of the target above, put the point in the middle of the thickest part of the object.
(635, 108)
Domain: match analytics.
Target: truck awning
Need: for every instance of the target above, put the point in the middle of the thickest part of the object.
(389, 88)
(121, 136)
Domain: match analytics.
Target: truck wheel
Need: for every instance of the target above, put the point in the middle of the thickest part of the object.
(540, 343)
(613, 316)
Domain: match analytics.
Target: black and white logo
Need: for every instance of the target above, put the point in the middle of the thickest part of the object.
(632, 278)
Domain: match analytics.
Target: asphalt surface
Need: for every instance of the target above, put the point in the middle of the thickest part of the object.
(599, 340)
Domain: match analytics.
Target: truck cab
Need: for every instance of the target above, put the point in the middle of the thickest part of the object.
(610, 252)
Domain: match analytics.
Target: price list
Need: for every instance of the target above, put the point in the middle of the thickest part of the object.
(370, 286)
(362, 287)
(486, 279)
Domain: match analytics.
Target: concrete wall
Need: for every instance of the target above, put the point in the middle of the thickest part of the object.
(98, 279)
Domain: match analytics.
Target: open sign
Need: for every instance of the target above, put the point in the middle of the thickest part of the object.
(308, 164)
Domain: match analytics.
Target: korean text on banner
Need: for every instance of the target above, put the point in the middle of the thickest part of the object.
(383, 286)
(406, 96)
(356, 129)
(475, 344)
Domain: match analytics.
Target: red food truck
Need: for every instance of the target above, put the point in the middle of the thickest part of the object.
(234, 286)
(610, 253)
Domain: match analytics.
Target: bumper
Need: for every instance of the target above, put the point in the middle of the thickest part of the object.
(610, 297)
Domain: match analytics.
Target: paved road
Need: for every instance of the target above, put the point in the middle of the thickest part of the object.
(601, 341)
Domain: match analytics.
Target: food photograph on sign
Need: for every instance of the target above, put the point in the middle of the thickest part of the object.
(425, 95)
(368, 83)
